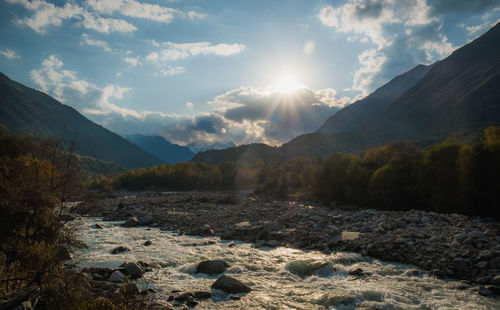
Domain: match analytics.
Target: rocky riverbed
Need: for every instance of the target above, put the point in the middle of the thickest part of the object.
(447, 245)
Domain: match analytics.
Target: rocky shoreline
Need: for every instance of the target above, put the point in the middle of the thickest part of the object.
(448, 245)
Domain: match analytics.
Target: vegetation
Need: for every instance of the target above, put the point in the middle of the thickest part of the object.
(36, 178)
(448, 177)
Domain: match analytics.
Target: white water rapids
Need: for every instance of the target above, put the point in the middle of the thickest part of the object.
(271, 273)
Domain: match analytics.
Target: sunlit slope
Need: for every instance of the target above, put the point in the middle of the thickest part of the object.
(24, 110)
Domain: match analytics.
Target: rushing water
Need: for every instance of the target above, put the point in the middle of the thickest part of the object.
(273, 274)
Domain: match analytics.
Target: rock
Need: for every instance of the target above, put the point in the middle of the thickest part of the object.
(133, 269)
(190, 302)
(230, 285)
(116, 276)
(148, 243)
(131, 222)
(460, 265)
(485, 292)
(356, 272)
(202, 295)
(412, 272)
(98, 226)
(129, 289)
(207, 230)
(145, 220)
(494, 288)
(483, 280)
(495, 280)
(183, 296)
(119, 249)
(212, 267)
(304, 268)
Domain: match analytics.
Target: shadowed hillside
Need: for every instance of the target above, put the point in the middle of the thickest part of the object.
(24, 110)
(161, 148)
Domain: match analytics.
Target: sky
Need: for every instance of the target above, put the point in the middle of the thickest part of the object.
(197, 71)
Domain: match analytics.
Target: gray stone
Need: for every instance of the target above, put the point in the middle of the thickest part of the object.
(119, 249)
(145, 220)
(133, 269)
(496, 280)
(131, 222)
(460, 265)
(230, 285)
(212, 267)
(129, 289)
(485, 292)
(116, 276)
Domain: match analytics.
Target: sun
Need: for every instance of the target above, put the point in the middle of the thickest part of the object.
(288, 84)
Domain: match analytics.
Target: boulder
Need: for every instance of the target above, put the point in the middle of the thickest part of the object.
(356, 272)
(133, 269)
(230, 285)
(496, 280)
(460, 265)
(212, 267)
(98, 226)
(119, 249)
(116, 276)
(202, 295)
(145, 220)
(129, 289)
(131, 222)
(148, 243)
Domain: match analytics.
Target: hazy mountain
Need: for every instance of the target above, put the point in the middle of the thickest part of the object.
(200, 146)
(425, 105)
(161, 148)
(24, 110)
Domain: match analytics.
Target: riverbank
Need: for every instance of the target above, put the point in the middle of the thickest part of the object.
(448, 245)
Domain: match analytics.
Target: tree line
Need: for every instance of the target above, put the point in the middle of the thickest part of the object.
(447, 177)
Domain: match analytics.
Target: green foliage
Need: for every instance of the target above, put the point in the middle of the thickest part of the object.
(448, 177)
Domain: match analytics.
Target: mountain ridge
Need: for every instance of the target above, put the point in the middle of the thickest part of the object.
(24, 110)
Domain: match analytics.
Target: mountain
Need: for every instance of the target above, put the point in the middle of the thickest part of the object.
(201, 146)
(248, 153)
(161, 148)
(355, 115)
(425, 105)
(24, 110)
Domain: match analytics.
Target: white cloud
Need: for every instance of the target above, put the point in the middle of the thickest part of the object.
(105, 25)
(9, 54)
(169, 70)
(136, 9)
(153, 57)
(309, 47)
(97, 43)
(87, 97)
(403, 34)
(131, 61)
(47, 14)
(189, 105)
(176, 51)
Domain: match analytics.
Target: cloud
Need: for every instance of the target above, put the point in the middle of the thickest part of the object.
(87, 97)
(131, 61)
(47, 14)
(176, 51)
(189, 105)
(9, 54)
(97, 43)
(136, 9)
(169, 52)
(403, 34)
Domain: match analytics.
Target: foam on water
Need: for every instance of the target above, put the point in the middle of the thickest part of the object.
(280, 278)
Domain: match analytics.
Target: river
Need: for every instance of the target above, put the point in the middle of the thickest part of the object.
(280, 278)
